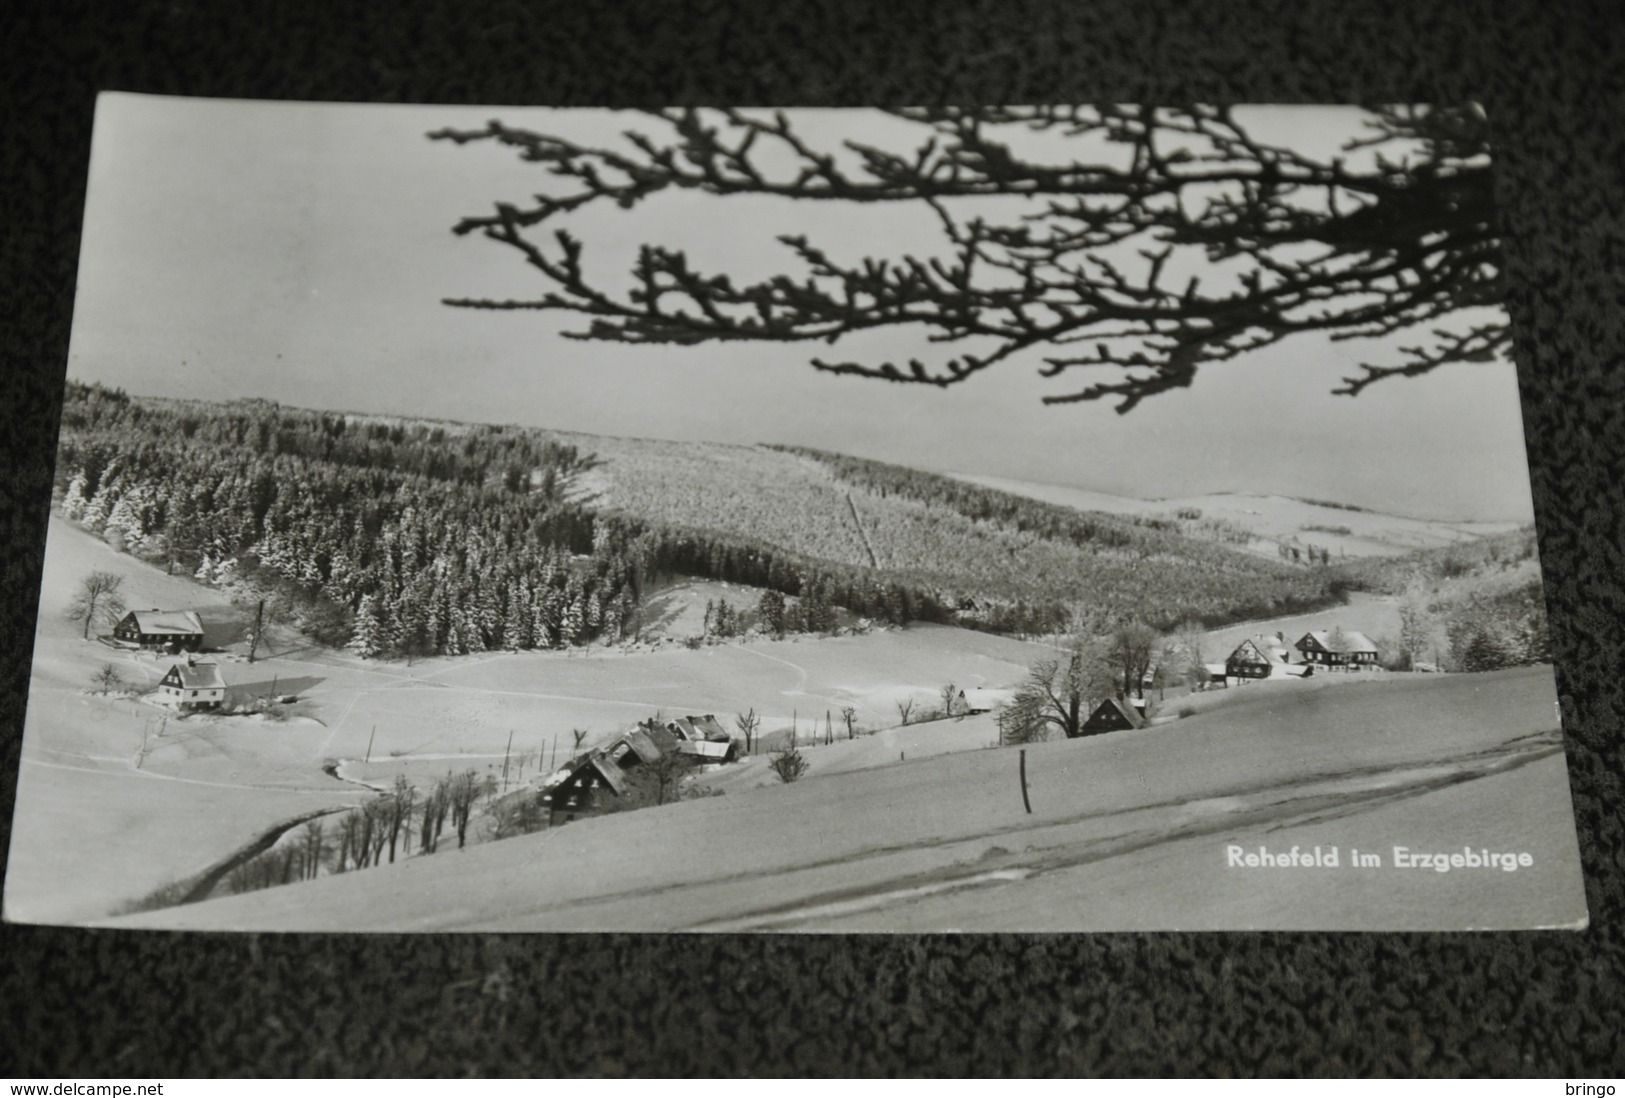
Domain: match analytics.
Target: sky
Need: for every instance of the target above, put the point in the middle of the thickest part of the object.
(300, 253)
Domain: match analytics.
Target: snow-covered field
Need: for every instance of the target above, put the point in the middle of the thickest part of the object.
(93, 830)
(913, 827)
(1273, 519)
(1127, 831)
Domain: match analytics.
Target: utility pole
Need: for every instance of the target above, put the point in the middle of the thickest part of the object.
(370, 735)
(259, 627)
(505, 752)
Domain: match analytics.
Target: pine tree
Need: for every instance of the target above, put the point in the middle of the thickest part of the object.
(73, 501)
(369, 639)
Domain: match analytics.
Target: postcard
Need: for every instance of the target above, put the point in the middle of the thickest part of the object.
(1036, 518)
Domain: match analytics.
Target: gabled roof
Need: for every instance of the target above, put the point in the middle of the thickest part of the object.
(167, 621)
(610, 773)
(199, 676)
(1128, 712)
(658, 736)
(985, 698)
(641, 742)
(708, 728)
(1270, 649)
(1351, 641)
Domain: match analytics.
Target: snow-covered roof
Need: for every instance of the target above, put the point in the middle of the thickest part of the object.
(1129, 712)
(985, 698)
(1346, 640)
(705, 749)
(641, 743)
(1269, 646)
(709, 729)
(199, 676)
(168, 621)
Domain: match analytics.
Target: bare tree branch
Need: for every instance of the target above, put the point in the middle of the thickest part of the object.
(1156, 239)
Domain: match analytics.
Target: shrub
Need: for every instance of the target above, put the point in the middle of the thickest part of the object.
(789, 764)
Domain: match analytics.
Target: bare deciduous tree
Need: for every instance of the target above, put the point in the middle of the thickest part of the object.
(849, 717)
(1132, 648)
(905, 709)
(1146, 241)
(1192, 640)
(1058, 694)
(462, 792)
(659, 780)
(748, 723)
(107, 678)
(1415, 624)
(97, 600)
(313, 844)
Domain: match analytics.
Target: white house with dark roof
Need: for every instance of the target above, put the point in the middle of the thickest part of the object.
(192, 685)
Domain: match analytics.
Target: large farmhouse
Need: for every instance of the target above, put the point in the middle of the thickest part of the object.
(164, 630)
(192, 685)
(701, 737)
(597, 780)
(1265, 656)
(1340, 650)
(592, 783)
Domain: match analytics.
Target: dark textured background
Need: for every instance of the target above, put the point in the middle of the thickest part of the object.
(96, 1003)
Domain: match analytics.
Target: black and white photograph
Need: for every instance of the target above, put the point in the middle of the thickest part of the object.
(1036, 518)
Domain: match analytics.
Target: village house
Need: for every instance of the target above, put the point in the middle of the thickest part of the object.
(982, 700)
(1340, 650)
(1265, 656)
(192, 685)
(593, 780)
(1113, 715)
(599, 779)
(171, 631)
(701, 737)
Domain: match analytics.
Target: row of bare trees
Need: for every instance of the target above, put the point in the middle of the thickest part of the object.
(370, 834)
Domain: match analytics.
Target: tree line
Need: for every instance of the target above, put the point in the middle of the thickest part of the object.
(409, 538)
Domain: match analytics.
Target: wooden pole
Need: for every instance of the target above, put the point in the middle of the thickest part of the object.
(370, 735)
(1024, 799)
(259, 627)
(505, 751)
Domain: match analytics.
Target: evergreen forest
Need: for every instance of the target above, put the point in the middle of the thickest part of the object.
(402, 537)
